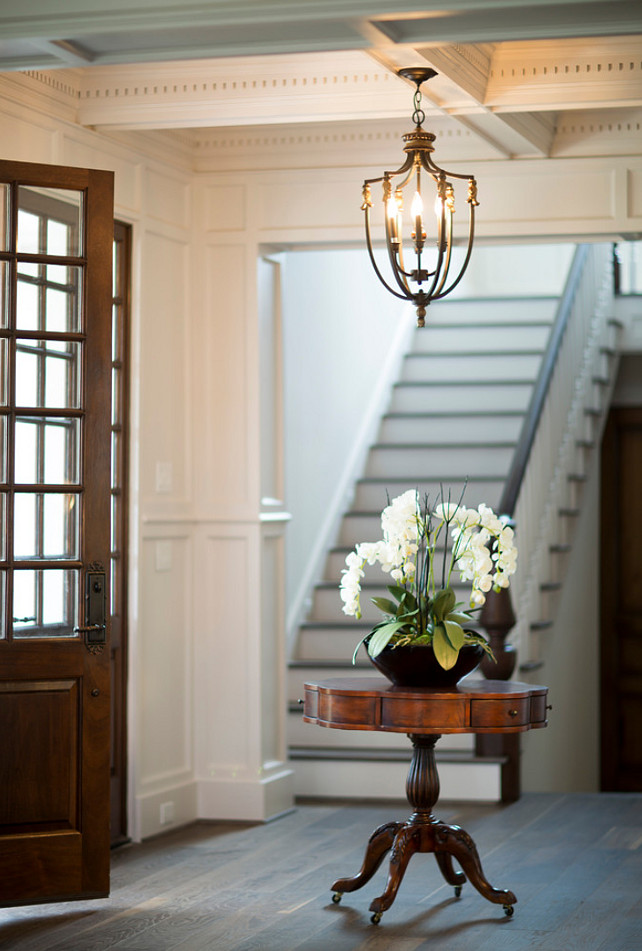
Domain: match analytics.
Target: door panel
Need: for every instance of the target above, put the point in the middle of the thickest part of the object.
(55, 386)
(621, 597)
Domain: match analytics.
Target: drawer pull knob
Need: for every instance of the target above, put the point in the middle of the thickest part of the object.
(512, 713)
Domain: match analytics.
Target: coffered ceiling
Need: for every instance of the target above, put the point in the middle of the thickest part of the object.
(515, 79)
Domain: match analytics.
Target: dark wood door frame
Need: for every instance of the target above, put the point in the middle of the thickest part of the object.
(119, 534)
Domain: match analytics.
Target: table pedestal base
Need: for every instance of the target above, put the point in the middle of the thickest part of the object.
(422, 832)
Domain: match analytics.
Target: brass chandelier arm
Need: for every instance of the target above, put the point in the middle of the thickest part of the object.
(398, 274)
(374, 263)
(471, 235)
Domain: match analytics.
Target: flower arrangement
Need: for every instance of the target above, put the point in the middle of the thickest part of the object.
(424, 610)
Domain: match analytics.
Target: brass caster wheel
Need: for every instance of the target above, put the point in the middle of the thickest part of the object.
(508, 911)
(376, 918)
(457, 891)
(336, 898)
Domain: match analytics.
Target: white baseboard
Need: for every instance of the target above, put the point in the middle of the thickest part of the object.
(253, 800)
(175, 805)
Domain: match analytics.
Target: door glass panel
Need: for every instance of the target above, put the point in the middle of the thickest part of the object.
(4, 294)
(46, 526)
(3, 526)
(56, 227)
(48, 373)
(28, 306)
(44, 602)
(4, 372)
(48, 298)
(3, 604)
(4, 429)
(4, 217)
(46, 450)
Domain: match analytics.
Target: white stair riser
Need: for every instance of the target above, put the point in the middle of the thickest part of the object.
(435, 399)
(375, 779)
(481, 429)
(324, 643)
(481, 339)
(372, 496)
(492, 311)
(412, 462)
(437, 367)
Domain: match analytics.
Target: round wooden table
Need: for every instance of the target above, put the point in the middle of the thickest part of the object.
(484, 706)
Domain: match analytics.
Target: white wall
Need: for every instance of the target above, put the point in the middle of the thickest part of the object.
(339, 328)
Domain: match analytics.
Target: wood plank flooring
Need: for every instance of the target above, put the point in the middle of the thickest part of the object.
(574, 861)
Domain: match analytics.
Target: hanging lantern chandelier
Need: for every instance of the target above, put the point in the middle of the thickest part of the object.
(428, 279)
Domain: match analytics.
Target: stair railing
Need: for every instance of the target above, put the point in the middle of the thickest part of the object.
(552, 446)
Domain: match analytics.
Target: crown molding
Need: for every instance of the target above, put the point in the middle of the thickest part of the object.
(607, 133)
(566, 75)
(56, 92)
(328, 145)
(232, 91)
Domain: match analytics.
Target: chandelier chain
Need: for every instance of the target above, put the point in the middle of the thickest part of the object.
(418, 116)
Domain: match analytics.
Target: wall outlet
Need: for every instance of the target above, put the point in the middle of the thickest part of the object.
(166, 813)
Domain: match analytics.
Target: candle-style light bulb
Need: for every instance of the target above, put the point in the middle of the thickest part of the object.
(417, 206)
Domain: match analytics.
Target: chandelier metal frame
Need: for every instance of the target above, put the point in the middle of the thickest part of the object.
(430, 284)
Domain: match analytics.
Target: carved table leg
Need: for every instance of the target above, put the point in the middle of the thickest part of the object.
(457, 842)
(407, 842)
(378, 844)
(445, 863)
(422, 832)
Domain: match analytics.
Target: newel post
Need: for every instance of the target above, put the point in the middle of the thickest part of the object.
(498, 619)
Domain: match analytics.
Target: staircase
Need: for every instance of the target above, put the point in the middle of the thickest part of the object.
(455, 416)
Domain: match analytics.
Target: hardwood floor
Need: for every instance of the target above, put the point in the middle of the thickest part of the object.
(574, 861)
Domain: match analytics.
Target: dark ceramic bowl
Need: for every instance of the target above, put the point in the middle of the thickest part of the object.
(410, 666)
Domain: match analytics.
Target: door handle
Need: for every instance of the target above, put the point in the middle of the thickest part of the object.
(95, 630)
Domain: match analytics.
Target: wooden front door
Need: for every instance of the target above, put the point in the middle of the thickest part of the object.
(621, 596)
(56, 231)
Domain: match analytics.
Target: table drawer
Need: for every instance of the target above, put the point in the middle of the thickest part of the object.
(422, 715)
(499, 713)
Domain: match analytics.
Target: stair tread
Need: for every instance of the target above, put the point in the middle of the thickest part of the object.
(438, 354)
(494, 325)
(523, 381)
(330, 664)
(503, 444)
(454, 414)
(376, 480)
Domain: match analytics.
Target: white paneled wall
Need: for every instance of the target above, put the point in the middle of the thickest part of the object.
(206, 558)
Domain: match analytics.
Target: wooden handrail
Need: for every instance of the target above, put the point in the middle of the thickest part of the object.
(527, 436)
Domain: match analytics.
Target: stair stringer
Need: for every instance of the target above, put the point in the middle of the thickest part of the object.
(564, 450)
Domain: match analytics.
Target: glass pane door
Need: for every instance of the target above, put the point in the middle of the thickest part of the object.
(43, 496)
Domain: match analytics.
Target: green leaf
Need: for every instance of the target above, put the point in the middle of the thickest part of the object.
(385, 605)
(460, 616)
(397, 591)
(455, 634)
(445, 653)
(444, 603)
(382, 636)
(356, 650)
(409, 601)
